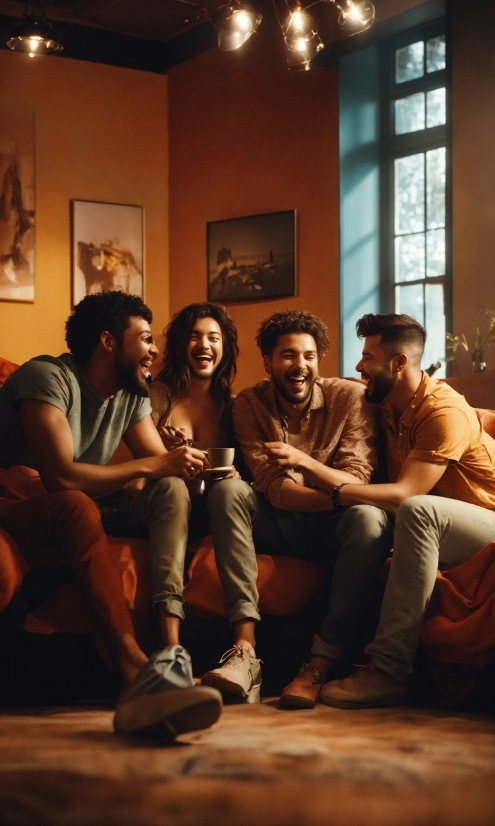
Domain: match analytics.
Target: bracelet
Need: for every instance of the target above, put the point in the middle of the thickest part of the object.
(335, 496)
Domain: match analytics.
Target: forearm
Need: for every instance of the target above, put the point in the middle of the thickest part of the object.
(324, 477)
(388, 497)
(296, 497)
(97, 480)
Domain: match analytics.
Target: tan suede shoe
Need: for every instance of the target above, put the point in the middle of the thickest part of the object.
(368, 687)
(239, 673)
(303, 691)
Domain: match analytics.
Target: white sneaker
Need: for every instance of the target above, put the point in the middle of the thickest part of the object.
(239, 673)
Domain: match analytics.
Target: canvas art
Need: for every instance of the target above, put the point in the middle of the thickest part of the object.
(17, 206)
(252, 257)
(107, 248)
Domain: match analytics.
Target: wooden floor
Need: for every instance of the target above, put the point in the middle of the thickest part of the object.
(258, 766)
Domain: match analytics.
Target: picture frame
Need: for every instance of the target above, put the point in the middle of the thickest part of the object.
(252, 258)
(107, 244)
(17, 201)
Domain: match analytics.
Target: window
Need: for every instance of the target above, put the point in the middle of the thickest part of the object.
(415, 160)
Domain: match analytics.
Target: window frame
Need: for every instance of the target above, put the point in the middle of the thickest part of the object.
(394, 146)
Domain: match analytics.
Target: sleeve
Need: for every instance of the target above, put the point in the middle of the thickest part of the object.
(443, 436)
(160, 403)
(43, 381)
(141, 411)
(356, 451)
(251, 435)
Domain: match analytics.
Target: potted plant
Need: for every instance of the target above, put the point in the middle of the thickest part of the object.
(481, 342)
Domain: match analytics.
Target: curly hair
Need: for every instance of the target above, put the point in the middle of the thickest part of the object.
(176, 373)
(395, 330)
(291, 321)
(96, 313)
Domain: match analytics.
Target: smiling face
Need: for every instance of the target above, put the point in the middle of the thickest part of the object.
(204, 350)
(135, 355)
(293, 367)
(377, 369)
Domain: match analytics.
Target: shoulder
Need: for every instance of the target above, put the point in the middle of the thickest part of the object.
(159, 394)
(261, 395)
(351, 389)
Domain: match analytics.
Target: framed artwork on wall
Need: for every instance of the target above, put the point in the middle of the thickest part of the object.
(252, 257)
(107, 248)
(17, 206)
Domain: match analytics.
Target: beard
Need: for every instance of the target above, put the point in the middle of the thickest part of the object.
(282, 391)
(129, 378)
(383, 384)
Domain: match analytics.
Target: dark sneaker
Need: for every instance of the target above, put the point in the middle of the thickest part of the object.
(163, 701)
(239, 674)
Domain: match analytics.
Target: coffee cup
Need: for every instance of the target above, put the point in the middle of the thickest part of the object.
(220, 456)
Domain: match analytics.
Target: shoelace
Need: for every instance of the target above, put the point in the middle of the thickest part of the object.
(313, 671)
(234, 656)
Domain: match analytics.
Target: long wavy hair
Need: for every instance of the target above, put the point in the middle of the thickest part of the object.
(176, 373)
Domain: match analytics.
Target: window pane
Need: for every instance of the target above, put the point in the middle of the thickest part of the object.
(409, 203)
(410, 257)
(435, 326)
(435, 54)
(435, 252)
(409, 62)
(435, 188)
(410, 300)
(410, 114)
(435, 108)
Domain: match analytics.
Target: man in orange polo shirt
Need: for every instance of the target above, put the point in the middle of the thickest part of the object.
(440, 500)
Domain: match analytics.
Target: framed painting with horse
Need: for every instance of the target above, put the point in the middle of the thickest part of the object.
(107, 248)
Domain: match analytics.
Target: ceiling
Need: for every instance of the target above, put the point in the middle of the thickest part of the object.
(154, 35)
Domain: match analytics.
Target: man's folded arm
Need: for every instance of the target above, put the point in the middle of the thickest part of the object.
(51, 445)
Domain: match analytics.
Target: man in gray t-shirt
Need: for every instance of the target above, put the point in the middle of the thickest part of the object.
(64, 417)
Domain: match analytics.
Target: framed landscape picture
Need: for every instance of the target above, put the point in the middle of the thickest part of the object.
(107, 248)
(252, 257)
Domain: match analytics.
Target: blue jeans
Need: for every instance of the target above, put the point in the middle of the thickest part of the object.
(243, 523)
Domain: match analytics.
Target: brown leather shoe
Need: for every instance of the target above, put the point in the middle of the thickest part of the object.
(303, 691)
(368, 687)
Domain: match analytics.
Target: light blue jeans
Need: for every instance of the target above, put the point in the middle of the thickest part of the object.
(429, 530)
(243, 523)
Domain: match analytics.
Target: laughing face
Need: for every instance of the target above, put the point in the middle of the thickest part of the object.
(376, 370)
(204, 349)
(293, 367)
(135, 355)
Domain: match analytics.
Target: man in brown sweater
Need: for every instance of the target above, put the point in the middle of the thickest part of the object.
(299, 434)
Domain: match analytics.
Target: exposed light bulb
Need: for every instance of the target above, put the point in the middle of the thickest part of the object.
(356, 15)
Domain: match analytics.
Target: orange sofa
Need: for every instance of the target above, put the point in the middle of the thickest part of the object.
(291, 598)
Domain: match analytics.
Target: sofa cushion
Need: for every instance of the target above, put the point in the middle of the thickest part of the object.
(6, 368)
(285, 584)
(12, 569)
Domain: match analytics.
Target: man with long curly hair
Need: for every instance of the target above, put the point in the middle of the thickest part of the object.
(191, 403)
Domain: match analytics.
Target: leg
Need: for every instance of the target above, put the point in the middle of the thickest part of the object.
(71, 522)
(428, 530)
(364, 537)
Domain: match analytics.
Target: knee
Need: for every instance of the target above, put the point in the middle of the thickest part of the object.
(170, 488)
(226, 493)
(365, 519)
(416, 510)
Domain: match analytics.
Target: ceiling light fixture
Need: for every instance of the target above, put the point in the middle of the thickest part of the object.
(301, 39)
(235, 24)
(355, 15)
(34, 34)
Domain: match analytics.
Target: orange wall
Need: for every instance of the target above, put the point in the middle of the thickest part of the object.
(473, 159)
(247, 136)
(101, 134)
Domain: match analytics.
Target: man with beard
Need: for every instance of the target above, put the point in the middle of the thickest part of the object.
(64, 417)
(302, 437)
(440, 500)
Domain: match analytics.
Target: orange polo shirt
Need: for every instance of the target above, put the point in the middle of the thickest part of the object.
(440, 427)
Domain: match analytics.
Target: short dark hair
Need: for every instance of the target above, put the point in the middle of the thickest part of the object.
(176, 374)
(111, 311)
(395, 330)
(291, 321)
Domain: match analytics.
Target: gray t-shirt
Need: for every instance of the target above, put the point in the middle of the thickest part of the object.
(97, 424)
